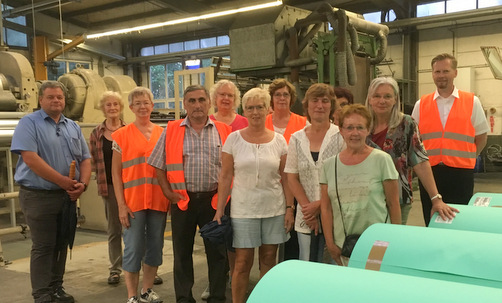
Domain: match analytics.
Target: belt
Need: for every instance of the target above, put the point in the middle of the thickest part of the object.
(42, 191)
(201, 194)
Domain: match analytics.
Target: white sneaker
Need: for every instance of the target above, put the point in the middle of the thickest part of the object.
(132, 299)
(150, 296)
(205, 294)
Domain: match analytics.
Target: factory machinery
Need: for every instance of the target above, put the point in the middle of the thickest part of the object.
(19, 96)
(327, 45)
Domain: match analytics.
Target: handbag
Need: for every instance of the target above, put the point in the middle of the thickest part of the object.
(350, 240)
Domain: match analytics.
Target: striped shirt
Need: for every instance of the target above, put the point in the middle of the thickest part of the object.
(201, 156)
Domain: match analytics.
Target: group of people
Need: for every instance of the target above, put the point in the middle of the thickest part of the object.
(326, 175)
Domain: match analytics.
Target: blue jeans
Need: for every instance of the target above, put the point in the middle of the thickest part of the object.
(144, 239)
(311, 247)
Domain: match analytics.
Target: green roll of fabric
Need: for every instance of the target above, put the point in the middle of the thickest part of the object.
(300, 281)
(486, 199)
(483, 219)
(443, 254)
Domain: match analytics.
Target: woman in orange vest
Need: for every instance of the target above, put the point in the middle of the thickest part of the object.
(142, 206)
(285, 122)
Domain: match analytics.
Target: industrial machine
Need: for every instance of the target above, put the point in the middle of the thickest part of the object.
(19, 96)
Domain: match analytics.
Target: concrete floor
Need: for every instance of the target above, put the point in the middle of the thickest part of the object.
(87, 270)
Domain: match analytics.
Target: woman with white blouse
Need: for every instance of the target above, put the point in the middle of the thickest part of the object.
(308, 149)
(254, 158)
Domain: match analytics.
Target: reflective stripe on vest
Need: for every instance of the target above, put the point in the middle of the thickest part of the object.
(140, 184)
(455, 144)
(174, 158)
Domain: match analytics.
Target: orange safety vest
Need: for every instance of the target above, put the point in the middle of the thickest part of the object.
(295, 123)
(454, 145)
(174, 158)
(141, 187)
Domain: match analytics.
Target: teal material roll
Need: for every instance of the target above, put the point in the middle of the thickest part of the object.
(309, 282)
(486, 199)
(444, 254)
(483, 219)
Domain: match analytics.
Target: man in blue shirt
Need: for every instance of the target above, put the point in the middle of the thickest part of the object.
(47, 143)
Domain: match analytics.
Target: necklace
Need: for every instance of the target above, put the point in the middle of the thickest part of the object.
(110, 129)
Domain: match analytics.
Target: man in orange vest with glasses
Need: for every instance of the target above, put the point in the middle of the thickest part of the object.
(453, 129)
(187, 159)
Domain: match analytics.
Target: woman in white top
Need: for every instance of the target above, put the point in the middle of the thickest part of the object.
(254, 158)
(308, 149)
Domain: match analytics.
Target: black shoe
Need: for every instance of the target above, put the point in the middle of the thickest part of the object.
(157, 280)
(114, 278)
(60, 295)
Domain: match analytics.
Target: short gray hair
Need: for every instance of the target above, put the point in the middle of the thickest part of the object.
(192, 88)
(220, 84)
(50, 84)
(140, 91)
(110, 95)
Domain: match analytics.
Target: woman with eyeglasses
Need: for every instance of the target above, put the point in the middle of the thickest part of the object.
(343, 98)
(397, 134)
(261, 216)
(227, 98)
(307, 151)
(282, 120)
(142, 205)
(358, 186)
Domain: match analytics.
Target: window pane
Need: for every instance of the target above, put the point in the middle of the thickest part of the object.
(162, 49)
(191, 45)
(15, 38)
(158, 81)
(176, 47)
(488, 3)
(74, 65)
(55, 69)
(460, 5)
(372, 17)
(205, 62)
(208, 42)
(391, 16)
(430, 9)
(171, 68)
(147, 51)
(223, 40)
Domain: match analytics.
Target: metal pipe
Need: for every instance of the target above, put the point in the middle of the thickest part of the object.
(13, 230)
(4, 196)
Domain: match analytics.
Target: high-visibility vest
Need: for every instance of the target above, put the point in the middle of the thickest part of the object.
(454, 145)
(296, 122)
(141, 187)
(174, 158)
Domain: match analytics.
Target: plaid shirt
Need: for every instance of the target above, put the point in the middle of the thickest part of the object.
(97, 156)
(201, 156)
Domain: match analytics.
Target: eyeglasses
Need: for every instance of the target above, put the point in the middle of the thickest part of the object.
(359, 128)
(139, 104)
(285, 95)
(257, 107)
(223, 95)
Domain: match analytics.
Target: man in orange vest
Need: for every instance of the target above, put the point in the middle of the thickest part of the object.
(454, 129)
(187, 159)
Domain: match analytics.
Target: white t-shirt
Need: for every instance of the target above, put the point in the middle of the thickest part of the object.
(257, 190)
(478, 118)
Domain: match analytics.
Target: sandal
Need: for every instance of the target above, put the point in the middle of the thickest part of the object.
(114, 278)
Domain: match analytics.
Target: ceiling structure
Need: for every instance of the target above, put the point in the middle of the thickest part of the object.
(103, 15)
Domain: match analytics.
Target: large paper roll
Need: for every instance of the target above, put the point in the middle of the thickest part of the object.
(444, 254)
(301, 281)
(486, 199)
(483, 219)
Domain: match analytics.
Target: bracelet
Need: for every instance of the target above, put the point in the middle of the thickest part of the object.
(438, 196)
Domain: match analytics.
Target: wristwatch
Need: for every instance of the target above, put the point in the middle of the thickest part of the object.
(85, 185)
(290, 206)
(438, 196)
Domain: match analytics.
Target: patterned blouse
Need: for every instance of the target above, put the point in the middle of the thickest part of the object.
(403, 144)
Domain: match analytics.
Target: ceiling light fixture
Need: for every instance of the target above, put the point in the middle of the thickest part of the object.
(185, 20)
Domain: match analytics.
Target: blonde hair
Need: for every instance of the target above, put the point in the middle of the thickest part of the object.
(140, 91)
(256, 93)
(110, 95)
(214, 91)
